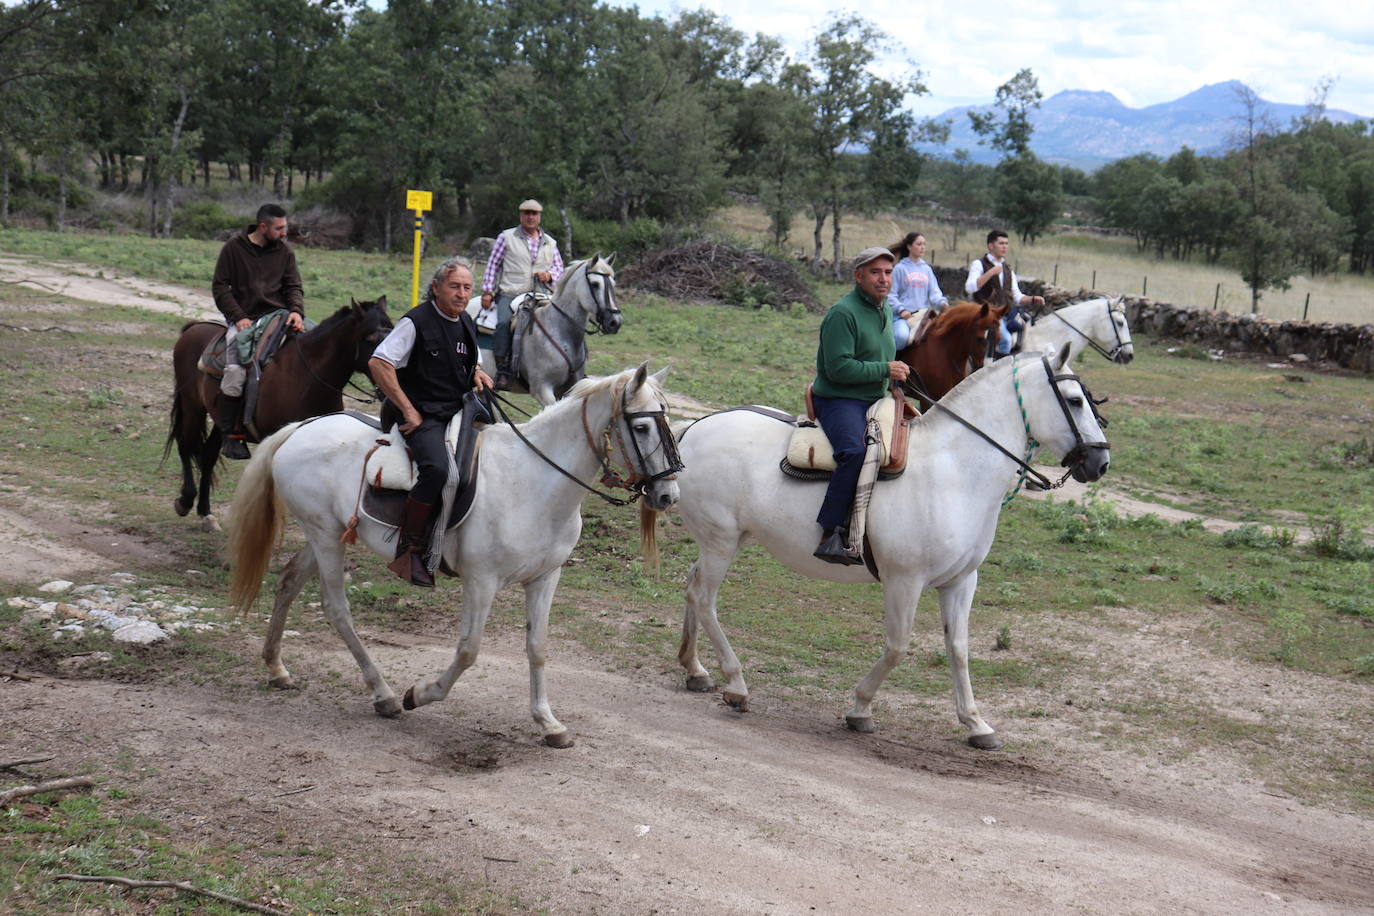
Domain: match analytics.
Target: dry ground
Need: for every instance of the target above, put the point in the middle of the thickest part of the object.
(670, 802)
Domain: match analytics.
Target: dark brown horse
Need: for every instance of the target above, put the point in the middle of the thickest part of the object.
(952, 347)
(305, 379)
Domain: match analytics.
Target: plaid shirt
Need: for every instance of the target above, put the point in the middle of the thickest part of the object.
(498, 258)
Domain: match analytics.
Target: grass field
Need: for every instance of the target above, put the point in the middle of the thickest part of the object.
(84, 416)
(1108, 264)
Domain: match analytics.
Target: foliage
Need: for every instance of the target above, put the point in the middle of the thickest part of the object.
(1029, 195)
(1016, 98)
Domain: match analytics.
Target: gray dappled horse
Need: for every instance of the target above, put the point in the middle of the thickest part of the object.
(551, 351)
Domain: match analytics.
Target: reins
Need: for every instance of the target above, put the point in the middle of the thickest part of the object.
(368, 398)
(1111, 354)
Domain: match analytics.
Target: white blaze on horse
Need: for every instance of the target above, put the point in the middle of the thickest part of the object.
(930, 527)
(524, 522)
(1099, 324)
(553, 347)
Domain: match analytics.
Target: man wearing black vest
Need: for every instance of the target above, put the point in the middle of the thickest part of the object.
(424, 367)
(992, 281)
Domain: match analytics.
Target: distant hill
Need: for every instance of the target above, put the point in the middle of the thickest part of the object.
(1088, 129)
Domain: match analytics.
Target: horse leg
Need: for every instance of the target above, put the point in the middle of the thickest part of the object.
(955, 601)
(209, 455)
(703, 587)
(538, 598)
(477, 597)
(330, 563)
(899, 616)
(293, 578)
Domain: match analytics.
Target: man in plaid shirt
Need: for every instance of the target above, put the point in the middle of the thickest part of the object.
(522, 255)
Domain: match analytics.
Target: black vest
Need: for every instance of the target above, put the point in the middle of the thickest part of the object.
(439, 371)
(997, 291)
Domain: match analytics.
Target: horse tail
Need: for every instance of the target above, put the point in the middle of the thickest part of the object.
(173, 426)
(257, 518)
(648, 536)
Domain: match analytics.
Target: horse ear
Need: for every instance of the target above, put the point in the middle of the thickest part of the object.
(661, 374)
(381, 302)
(983, 312)
(610, 259)
(641, 373)
(352, 302)
(1063, 358)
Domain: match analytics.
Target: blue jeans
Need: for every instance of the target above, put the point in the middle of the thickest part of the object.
(1006, 331)
(500, 338)
(902, 329)
(843, 420)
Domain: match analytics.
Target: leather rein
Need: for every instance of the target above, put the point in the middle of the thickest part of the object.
(1114, 352)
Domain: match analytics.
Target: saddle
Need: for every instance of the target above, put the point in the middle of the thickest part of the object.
(257, 344)
(809, 453)
(389, 472)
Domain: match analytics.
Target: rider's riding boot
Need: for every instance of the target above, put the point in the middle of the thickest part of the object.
(503, 372)
(233, 445)
(832, 549)
(412, 545)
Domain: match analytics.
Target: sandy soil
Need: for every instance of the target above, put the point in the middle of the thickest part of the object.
(671, 803)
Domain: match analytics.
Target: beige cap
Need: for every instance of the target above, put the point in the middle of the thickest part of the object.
(531, 204)
(873, 254)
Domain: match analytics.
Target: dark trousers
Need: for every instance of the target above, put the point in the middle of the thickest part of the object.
(843, 420)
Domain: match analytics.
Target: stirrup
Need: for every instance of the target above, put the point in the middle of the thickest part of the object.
(834, 550)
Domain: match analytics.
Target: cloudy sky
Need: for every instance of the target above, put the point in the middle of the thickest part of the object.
(1142, 51)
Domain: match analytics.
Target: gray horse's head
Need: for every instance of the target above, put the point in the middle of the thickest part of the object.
(592, 283)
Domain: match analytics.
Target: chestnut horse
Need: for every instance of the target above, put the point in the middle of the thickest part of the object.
(304, 379)
(952, 347)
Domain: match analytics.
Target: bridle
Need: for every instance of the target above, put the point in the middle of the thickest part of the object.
(639, 478)
(1114, 354)
(605, 303)
(1072, 459)
(369, 397)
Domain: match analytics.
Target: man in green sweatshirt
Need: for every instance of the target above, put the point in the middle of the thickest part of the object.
(855, 362)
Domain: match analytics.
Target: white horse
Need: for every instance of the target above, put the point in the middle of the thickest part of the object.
(933, 526)
(553, 349)
(523, 524)
(1097, 323)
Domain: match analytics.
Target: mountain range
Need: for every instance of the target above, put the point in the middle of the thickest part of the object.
(1087, 129)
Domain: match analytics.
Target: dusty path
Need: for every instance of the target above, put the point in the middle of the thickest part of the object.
(95, 284)
(670, 803)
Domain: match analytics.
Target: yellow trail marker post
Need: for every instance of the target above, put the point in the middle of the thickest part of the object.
(419, 201)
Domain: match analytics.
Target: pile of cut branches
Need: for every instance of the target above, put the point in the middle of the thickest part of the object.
(708, 269)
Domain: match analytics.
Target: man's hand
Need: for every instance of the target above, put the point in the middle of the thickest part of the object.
(904, 314)
(481, 381)
(898, 371)
(543, 276)
(243, 324)
(486, 300)
(294, 321)
(410, 420)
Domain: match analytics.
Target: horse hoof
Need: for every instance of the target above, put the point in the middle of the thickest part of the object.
(737, 701)
(210, 523)
(389, 708)
(861, 724)
(409, 701)
(181, 508)
(559, 739)
(988, 742)
(282, 683)
(700, 683)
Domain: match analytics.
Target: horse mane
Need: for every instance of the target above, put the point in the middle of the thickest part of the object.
(975, 378)
(592, 385)
(567, 274)
(331, 324)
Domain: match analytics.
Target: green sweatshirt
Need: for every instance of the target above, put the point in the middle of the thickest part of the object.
(856, 346)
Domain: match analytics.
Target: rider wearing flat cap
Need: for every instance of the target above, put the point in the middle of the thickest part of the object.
(855, 361)
(522, 255)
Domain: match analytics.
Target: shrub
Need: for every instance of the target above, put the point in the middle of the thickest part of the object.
(1254, 536)
(1340, 537)
(206, 219)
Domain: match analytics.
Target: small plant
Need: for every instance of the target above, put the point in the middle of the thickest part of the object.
(100, 396)
(1291, 626)
(1247, 536)
(1358, 454)
(1107, 597)
(1338, 537)
(1003, 643)
(1365, 665)
(1351, 605)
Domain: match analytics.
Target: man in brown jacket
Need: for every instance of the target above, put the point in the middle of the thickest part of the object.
(256, 274)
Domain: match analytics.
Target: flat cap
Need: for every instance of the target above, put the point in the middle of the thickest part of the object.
(531, 204)
(873, 254)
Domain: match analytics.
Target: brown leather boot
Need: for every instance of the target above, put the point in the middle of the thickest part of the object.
(412, 544)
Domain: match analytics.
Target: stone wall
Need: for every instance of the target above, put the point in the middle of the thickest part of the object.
(1346, 345)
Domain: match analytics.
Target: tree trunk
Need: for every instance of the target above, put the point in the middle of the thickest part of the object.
(835, 237)
(386, 230)
(567, 234)
(123, 172)
(817, 214)
(4, 187)
(169, 184)
(62, 192)
(152, 213)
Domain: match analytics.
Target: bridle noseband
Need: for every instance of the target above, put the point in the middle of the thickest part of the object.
(1079, 453)
(640, 476)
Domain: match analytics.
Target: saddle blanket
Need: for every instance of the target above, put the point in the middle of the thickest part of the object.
(809, 449)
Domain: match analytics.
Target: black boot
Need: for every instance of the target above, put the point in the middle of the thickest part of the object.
(503, 372)
(412, 545)
(227, 420)
(832, 549)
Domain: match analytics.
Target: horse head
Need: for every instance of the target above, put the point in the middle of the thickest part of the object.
(644, 439)
(1079, 437)
(600, 280)
(372, 325)
(1124, 350)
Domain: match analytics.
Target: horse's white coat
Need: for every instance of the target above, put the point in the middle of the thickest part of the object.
(931, 527)
(524, 523)
(1095, 318)
(586, 292)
